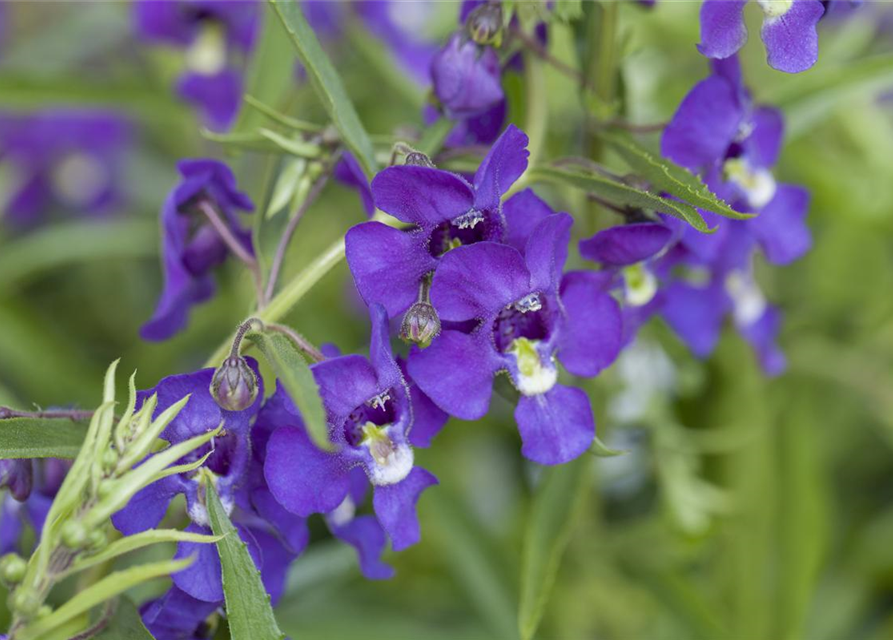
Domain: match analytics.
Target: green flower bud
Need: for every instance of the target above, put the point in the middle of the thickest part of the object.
(74, 535)
(484, 24)
(24, 603)
(44, 611)
(109, 459)
(12, 569)
(421, 324)
(97, 539)
(234, 385)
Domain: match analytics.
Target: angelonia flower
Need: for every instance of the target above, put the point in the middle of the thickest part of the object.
(525, 316)
(388, 264)
(213, 34)
(369, 409)
(197, 590)
(62, 161)
(788, 31)
(467, 77)
(191, 245)
(694, 281)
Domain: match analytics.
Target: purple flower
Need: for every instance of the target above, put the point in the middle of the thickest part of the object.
(212, 32)
(32, 487)
(63, 160)
(349, 173)
(369, 411)
(526, 314)
(230, 462)
(718, 132)
(467, 77)
(177, 616)
(191, 246)
(789, 31)
(389, 264)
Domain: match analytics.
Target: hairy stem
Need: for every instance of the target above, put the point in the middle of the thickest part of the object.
(285, 240)
(535, 47)
(233, 244)
(71, 414)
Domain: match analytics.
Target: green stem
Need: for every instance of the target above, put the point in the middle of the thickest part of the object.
(292, 292)
(536, 117)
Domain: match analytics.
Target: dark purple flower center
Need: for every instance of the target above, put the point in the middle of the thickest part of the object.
(527, 318)
(474, 226)
(380, 410)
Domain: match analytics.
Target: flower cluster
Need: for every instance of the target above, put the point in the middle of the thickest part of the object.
(694, 280)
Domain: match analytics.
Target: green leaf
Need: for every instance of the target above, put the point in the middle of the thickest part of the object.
(620, 194)
(126, 624)
(295, 145)
(65, 243)
(556, 505)
(41, 438)
(293, 372)
(287, 185)
(247, 602)
(600, 450)
(327, 83)
(665, 175)
(568, 10)
(137, 541)
(98, 592)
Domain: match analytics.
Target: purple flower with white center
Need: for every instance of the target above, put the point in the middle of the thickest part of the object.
(388, 264)
(191, 245)
(63, 160)
(467, 77)
(212, 33)
(717, 131)
(789, 31)
(527, 315)
(369, 411)
(630, 255)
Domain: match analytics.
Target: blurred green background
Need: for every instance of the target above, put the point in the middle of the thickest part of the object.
(746, 508)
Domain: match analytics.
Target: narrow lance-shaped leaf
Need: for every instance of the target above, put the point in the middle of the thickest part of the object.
(665, 175)
(41, 438)
(600, 450)
(327, 83)
(555, 506)
(293, 372)
(137, 541)
(247, 602)
(620, 194)
(99, 592)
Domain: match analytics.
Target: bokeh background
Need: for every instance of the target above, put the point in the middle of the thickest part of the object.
(746, 507)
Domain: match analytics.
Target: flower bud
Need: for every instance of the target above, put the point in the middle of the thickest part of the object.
(24, 603)
(421, 324)
(18, 475)
(418, 159)
(12, 569)
(484, 24)
(74, 535)
(234, 386)
(98, 539)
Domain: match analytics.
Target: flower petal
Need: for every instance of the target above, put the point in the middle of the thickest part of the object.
(456, 372)
(696, 314)
(380, 353)
(147, 507)
(546, 251)
(762, 335)
(302, 478)
(366, 535)
(523, 211)
(626, 244)
(792, 44)
(555, 427)
(592, 331)
(421, 195)
(781, 226)
(344, 384)
(387, 264)
(502, 166)
(723, 31)
(395, 507)
(764, 143)
(476, 281)
(704, 125)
